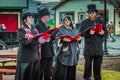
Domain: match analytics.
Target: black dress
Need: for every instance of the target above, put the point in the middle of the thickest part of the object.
(28, 56)
(68, 56)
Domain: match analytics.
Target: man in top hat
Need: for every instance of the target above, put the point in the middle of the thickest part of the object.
(93, 49)
(46, 48)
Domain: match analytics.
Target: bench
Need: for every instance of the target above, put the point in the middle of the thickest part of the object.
(6, 71)
(3, 61)
(8, 56)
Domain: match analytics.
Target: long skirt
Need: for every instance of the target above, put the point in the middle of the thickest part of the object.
(27, 71)
(62, 72)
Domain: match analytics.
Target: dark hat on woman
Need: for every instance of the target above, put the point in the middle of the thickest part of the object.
(25, 15)
(44, 12)
(91, 7)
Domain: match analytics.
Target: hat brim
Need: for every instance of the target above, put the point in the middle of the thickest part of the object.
(25, 15)
(92, 11)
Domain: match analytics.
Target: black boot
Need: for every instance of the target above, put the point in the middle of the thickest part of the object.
(87, 79)
(97, 79)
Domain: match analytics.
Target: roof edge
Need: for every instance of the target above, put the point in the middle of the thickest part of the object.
(58, 5)
(63, 2)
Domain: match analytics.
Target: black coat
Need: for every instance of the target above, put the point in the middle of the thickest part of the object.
(46, 48)
(28, 49)
(93, 43)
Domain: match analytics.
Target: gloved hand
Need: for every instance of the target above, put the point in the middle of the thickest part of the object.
(41, 40)
(48, 39)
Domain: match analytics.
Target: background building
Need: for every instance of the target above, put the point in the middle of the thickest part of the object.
(10, 11)
(76, 9)
(35, 5)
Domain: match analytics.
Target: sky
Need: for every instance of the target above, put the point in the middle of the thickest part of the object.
(48, 0)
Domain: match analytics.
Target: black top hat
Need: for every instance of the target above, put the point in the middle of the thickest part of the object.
(44, 12)
(25, 15)
(91, 7)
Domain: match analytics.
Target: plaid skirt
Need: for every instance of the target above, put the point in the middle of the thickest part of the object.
(27, 71)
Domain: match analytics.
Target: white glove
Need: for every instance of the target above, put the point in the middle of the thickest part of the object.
(48, 39)
(41, 40)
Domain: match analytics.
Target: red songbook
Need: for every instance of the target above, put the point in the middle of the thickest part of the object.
(98, 28)
(66, 36)
(78, 35)
(72, 38)
(46, 34)
(51, 30)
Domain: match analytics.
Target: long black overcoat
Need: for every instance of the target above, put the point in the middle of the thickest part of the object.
(28, 49)
(93, 43)
(46, 48)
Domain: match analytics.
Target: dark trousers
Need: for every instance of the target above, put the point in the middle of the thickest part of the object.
(45, 68)
(96, 61)
(27, 71)
(62, 72)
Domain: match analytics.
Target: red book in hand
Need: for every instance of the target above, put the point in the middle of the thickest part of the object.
(37, 36)
(66, 36)
(51, 30)
(78, 35)
(98, 28)
(46, 34)
(72, 38)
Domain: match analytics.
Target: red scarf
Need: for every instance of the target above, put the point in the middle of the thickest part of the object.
(29, 36)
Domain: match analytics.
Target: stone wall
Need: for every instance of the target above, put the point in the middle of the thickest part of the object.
(109, 62)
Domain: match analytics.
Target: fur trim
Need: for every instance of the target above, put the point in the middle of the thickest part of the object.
(59, 43)
(65, 49)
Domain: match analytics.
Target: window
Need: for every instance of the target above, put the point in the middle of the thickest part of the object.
(81, 16)
(10, 21)
(101, 15)
(62, 14)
